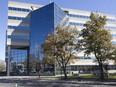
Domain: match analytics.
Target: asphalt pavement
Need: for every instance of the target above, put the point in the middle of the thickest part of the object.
(51, 82)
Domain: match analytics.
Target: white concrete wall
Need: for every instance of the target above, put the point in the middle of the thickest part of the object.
(88, 62)
(23, 5)
(18, 42)
(18, 14)
(18, 32)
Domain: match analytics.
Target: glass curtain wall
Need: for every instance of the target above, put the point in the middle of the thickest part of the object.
(43, 22)
(18, 62)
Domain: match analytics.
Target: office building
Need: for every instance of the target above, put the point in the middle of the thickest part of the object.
(28, 26)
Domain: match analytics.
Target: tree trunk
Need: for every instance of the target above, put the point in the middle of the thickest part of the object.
(65, 73)
(102, 72)
(101, 68)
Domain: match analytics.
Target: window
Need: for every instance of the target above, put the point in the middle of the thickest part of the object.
(76, 24)
(113, 42)
(18, 37)
(87, 17)
(18, 27)
(18, 18)
(81, 24)
(79, 16)
(19, 9)
(111, 20)
(110, 27)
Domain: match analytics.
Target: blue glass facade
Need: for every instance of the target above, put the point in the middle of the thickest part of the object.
(43, 22)
(60, 17)
(18, 62)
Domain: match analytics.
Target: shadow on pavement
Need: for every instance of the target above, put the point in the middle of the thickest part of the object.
(27, 82)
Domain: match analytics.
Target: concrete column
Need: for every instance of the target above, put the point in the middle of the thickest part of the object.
(55, 68)
(28, 71)
(8, 61)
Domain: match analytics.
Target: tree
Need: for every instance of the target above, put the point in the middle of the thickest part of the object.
(2, 66)
(60, 47)
(97, 40)
(38, 67)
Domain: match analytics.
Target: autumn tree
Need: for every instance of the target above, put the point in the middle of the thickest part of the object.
(2, 66)
(60, 47)
(97, 40)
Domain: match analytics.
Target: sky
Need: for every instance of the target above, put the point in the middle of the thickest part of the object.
(102, 6)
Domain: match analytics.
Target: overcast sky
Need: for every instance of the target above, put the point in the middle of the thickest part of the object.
(102, 6)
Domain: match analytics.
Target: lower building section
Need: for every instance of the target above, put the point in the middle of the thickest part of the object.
(21, 63)
(85, 67)
(17, 61)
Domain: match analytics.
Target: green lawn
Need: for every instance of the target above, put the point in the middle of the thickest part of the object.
(111, 76)
(70, 76)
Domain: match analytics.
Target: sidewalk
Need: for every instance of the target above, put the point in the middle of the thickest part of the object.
(18, 77)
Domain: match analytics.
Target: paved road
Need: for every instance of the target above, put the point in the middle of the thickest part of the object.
(35, 82)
